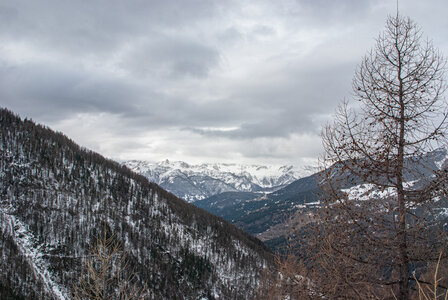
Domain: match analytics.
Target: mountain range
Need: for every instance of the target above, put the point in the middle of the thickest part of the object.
(58, 199)
(268, 216)
(197, 182)
(258, 199)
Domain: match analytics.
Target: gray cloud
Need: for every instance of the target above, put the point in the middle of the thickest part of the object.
(263, 30)
(230, 35)
(323, 13)
(171, 57)
(190, 79)
(95, 25)
(54, 92)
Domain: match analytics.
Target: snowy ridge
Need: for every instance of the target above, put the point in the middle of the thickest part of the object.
(196, 182)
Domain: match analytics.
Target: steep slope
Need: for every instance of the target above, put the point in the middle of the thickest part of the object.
(197, 182)
(57, 198)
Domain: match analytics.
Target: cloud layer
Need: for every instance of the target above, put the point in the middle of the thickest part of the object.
(199, 80)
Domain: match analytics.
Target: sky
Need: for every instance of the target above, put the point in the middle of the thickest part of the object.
(194, 80)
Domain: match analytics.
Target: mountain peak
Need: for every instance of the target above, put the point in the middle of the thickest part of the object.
(198, 181)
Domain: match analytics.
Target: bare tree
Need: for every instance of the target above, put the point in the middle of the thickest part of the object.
(435, 287)
(287, 281)
(106, 274)
(374, 232)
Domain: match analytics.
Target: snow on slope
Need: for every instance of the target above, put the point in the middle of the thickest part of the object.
(195, 182)
(433, 161)
(25, 242)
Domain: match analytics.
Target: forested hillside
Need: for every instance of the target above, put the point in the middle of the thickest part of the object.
(58, 198)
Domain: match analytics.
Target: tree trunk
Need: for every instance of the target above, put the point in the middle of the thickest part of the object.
(402, 236)
(402, 244)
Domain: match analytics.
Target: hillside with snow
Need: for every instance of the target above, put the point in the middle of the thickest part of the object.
(57, 199)
(197, 182)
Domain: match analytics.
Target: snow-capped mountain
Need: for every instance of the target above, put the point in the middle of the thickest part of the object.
(196, 182)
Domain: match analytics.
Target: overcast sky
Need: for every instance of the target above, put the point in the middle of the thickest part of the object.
(199, 81)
